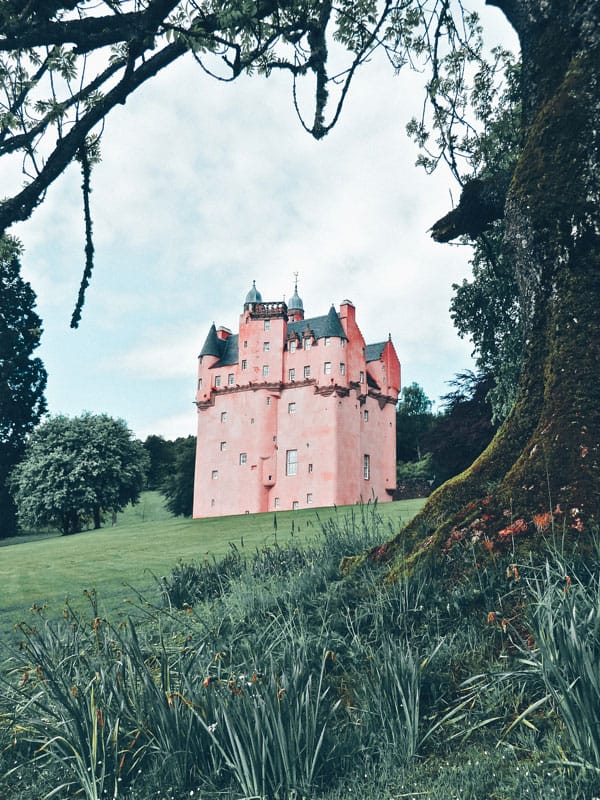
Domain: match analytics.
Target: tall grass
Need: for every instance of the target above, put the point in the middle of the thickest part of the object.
(270, 676)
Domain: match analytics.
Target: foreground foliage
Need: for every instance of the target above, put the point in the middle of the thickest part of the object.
(268, 676)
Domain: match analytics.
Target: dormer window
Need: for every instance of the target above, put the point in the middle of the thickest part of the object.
(293, 346)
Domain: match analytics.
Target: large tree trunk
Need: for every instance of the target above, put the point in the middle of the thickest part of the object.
(546, 456)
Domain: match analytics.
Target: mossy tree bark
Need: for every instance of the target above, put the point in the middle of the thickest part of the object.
(546, 457)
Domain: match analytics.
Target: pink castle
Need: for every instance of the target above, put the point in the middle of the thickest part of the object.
(294, 412)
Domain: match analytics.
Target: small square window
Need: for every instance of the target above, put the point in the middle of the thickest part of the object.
(309, 499)
(307, 372)
(243, 458)
(266, 346)
(230, 379)
(291, 408)
(266, 371)
(295, 505)
(223, 416)
(291, 375)
(327, 368)
(244, 364)
(215, 474)
(223, 446)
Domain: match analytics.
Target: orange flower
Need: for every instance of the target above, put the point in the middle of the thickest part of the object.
(567, 583)
(512, 571)
(542, 521)
(207, 681)
(100, 717)
(504, 623)
(491, 617)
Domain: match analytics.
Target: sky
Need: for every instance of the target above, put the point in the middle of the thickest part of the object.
(204, 187)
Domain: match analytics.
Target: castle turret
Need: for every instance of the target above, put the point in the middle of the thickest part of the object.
(295, 305)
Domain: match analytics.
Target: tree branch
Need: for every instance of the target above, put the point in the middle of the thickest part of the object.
(481, 203)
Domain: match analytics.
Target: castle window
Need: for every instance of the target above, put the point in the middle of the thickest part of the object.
(244, 364)
(223, 446)
(266, 371)
(361, 377)
(366, 467)
(230, 379)
(293, 344)
(212, 503)
(217, 380)
(366, 415)
(267, 324)
(276, 503)
(342, 368)
(266, 346)
(307, 344)
(199, 383)
(215, 474)
(310, 467)
(268, 401)
(291, 408)
(245, 342)
(243, 458)
(326, 341)
(291, 462)
(327, 368)
(291, 375)
(309, 499)
(307, 372)
(295, 505)
(223, 416)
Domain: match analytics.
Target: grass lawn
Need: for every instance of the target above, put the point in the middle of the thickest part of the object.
(145, 542)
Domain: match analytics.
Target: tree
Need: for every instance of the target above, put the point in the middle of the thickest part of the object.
(162, 457)
(413, 420)
(22, 377)
(464, 429)
(546, 456)
(178, 487)
(75, 470)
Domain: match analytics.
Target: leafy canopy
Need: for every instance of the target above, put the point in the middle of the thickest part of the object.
(22, 376)
(74, 470)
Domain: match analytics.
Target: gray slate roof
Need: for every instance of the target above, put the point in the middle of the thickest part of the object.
(328, 325)
(373, 352)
